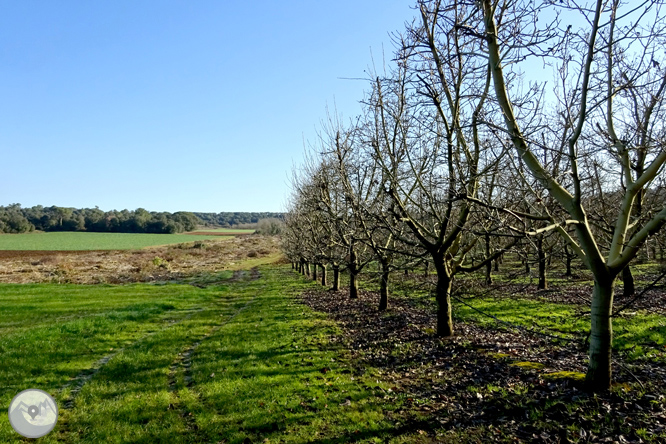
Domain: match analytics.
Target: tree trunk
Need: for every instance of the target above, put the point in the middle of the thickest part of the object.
(383, 289)
(426, 269)
(496, 261)
(307, 269)
(353, 283)
(599, 373)
(336, 277)
(628, 279)
(443, 296)
(314, 272)
(543, 283)
(406, 272)
(323, 274)
(489, 265)
(569, 257)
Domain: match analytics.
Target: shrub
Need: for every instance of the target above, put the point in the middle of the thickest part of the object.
(160, 263)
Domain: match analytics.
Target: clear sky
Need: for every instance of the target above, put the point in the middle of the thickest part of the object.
(175, 105)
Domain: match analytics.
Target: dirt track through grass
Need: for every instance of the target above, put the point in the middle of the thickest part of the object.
(180, 372)
(76, 384)
(237, 361)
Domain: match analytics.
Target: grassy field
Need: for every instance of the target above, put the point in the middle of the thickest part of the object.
(232, 356)
(92, 241)
(234, 362)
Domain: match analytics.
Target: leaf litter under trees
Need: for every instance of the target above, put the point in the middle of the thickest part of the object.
(493, 384)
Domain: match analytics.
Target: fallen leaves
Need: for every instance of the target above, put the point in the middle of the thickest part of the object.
(510, 385)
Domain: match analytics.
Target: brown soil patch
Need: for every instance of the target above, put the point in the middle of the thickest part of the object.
(218, 233)
(42, 253)
(160, 263)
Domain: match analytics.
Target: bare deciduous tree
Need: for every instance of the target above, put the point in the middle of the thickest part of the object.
(606, 110)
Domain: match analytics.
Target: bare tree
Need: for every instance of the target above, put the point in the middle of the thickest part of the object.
(430, 144)
(605, 111)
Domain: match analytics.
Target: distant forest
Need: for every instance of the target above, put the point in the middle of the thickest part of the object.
(15, 219)
(231, 219)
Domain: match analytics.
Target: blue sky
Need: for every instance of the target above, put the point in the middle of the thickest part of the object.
(175, 105)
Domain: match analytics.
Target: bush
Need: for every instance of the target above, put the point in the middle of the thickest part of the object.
(160, 263)
(271, 226)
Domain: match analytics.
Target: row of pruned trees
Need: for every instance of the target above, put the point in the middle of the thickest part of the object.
(463, 151)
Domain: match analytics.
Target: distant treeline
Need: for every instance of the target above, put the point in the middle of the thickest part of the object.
(231, 219)
(15, 219)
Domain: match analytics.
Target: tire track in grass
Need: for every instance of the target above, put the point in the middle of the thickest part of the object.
(182, 366)
(205, 314)
(79, 382)
(86, 375)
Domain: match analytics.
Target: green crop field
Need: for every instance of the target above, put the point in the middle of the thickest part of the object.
(92, 241)
(235, 362)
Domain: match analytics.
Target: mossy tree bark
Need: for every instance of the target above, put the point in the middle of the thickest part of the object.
(599, 373)
(443, 297)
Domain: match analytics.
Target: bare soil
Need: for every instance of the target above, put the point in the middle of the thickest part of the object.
(218, 233)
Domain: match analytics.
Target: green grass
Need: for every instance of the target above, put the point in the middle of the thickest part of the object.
(640, 335)
(92, 241)
(260, 367)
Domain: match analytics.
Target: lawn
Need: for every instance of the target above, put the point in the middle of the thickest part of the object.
(238, 361)
(92, 241)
